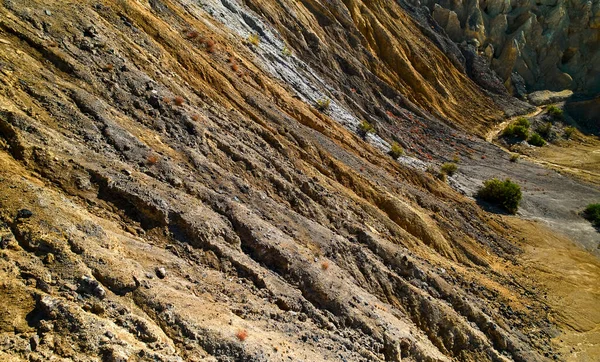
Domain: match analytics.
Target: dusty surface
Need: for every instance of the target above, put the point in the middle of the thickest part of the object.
(169, 191)
(570, 278)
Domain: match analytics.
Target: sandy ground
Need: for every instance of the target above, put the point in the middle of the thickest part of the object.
(571, 277)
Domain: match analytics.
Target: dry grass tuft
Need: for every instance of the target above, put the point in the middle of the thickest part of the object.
(179, 100)
(242, 334)
(152, 159)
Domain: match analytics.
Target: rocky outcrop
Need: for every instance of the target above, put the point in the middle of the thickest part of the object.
(551, 44)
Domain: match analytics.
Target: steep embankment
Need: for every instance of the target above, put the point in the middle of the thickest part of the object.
(170, 192)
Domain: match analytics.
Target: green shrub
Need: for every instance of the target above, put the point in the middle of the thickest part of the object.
(569, 131)
(365, 127)
(523, 122)
(504, 193)
(519, 129)
(449, 168)
(456, 159)
(323, 104)
(254, 39)
(396, 151)
(536, 140)
(514, 157)
(545, 130)
(555, 112)
(592, 213)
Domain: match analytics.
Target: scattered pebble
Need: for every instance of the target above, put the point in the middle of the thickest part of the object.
(161, 272)
(24, 214)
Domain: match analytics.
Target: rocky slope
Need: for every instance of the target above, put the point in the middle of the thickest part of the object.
(531, 44)
(170, 191)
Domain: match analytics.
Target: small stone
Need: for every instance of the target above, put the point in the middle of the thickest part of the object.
(97, 309)
(46, 326)
(34, 342)
(109, 334)
(24, 214)
(91, 286)
(4, 242)
(161, 272)
(49, 258)
(48, 12)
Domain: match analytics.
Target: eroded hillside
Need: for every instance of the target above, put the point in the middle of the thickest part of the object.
(171, 192)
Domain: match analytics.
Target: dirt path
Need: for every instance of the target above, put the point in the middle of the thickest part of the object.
(498, 128)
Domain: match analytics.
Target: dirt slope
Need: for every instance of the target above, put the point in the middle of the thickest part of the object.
(170, 192)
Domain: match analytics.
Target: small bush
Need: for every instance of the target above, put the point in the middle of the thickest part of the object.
(569, 131)
(286, 51)
(519, 129)
(323, 104)
(449, 168)
(396, 151)
(456, 159)
(523, 122)
(592, 213)
(516, 131)
(365, 128)
(325, 265)
(514, 157)
(536, 140)
(545, 130)
(504, 193)
(254, 39)
(555, 112)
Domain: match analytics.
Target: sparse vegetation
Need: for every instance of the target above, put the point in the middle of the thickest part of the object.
(286, 51)
(178, 101)
(210, 46)
(519, 129)
(536, 140)
(192, 34)
(545, 130)
(514, 157)
(396, 151)
(504, 193)
(569, 131)
(323, 104)
(592, 213)
(241, 334)
(325, 265)
(456, 158)
(152, 159)
(555, 112)
(254, 39)
(365, 128)
(449, 168)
